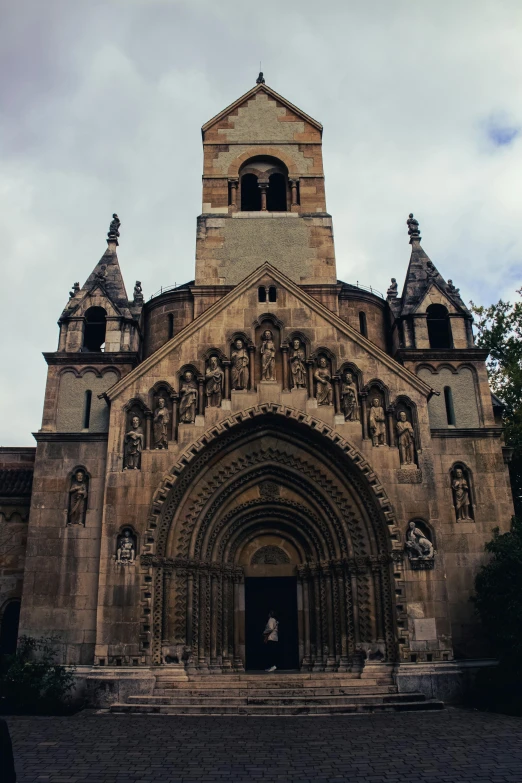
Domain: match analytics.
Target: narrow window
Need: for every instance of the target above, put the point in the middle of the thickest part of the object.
(250, 194)
(87, 409)
(261, 294)
(439, 329)
(450, 410)
(362, 324)
(272, 294)
(171, 326)
(94, 331)
(276, 197)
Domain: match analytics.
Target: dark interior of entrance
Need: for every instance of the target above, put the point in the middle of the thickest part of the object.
(261, 595)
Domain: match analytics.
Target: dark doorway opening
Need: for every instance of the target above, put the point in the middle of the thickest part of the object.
(9, 628)
(261, 595)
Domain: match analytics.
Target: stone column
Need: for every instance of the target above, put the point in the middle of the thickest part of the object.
(233, 193)
(318, 665)
(174, 418)
(337, 393)
(204, 620)
(377, 591)
(263, 187)
(251, 367)
(310, 365)
(364, 415)
(344, 663)
(390, 421)
(303, 577)
(328, 613)
(293, 189)
(284, 349)
(227, 620)
(238, 663)
(166, 636)
(201, 395)
(148, 429)
(226, 368)
(215, 619)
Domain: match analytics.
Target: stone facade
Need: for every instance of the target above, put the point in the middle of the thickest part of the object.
(264, 420)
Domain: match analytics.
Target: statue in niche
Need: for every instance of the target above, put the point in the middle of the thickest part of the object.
(419, 547)
(126, 551)
(214, 383)
(78, 493)
(377, 423)
(188, 399)
(239, 366)
(268, 357)
(461, 494)
(133, 445)
(324, 391)
(405, 440)
(297, 366)
(349, 404)
(160, 425)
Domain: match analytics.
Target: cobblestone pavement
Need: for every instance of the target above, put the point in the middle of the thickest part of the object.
(451, 746)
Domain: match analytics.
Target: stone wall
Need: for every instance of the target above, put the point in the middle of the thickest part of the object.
(72, 400)
(464, 392)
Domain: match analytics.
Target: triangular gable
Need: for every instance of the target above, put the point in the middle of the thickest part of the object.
(250, 94)
(304, 297)
(107, 276)
(79, 302)
(420, 277)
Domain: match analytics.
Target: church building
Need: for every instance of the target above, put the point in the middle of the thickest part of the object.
(262, 437)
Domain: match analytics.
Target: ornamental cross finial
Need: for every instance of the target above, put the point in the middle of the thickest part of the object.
(413, 229)
(260, 79)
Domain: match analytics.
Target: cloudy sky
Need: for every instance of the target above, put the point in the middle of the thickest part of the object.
(101, 107)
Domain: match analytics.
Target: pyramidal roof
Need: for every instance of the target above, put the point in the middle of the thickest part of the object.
(422, 274)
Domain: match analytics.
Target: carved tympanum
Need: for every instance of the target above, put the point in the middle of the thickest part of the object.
(188, 398)
(349, 402)
(405, 439)
(418, 546)
(323, 388)
(214, 383)
(78, 497)
(269, 489)
(239, 372)
(268, 352)
(126, 548)
(269, 555)
(461, 495)
(297, 365)
(133, 445)
(377, 422)
(160, 425)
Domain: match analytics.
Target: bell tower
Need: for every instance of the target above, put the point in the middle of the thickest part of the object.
(263, 194)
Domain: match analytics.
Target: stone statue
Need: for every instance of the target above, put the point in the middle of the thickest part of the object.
(461, 494)
(102, 274)
(413, 228)
(324, 391)
(418, 546)
(405, 439)
(126, 552)
(268, 357)
(188, 399)
(349, 403)
(75, 290)
(138, 293)
(430, 269)
(450, 288)
(391, 293)
(78, 493)
(260, 79)
(133, 446)
(297, 366)
(214, 383)
(377, 423)
(239, 366)
(114, 228)
(160, 425)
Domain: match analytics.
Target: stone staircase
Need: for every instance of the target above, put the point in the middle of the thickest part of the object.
(281, 693)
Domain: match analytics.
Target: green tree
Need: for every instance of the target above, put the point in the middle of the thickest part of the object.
(499, 330)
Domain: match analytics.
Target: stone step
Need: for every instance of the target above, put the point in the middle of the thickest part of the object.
(355, 689)
(277, 701)
(254, 709)
(290, 675)
(269, 682)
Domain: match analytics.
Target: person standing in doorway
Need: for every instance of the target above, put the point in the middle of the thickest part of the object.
(271, 640)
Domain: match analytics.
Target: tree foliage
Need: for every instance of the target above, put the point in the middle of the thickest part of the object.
(499, 330)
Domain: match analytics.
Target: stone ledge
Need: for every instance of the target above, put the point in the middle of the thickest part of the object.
(468, 432)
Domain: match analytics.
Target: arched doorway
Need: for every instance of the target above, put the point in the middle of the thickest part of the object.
(270, 489)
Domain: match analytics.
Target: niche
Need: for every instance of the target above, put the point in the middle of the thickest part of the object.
(462, 490)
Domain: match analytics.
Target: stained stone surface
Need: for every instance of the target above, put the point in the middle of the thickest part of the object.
(454, 746)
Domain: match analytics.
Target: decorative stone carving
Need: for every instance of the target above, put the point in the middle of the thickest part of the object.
(461, 496)
(450, 288)
(377, 422)
(430, 269)
(239, 372)
(78, 498)
(413, 228)
(214, 383)
(126, 551)
(269, 489)
(268, 357)
(391, 293)
(114, 228)
(133, 445)
(75, 290)
(419, 547)
(405, 440)
(269, 555)
(412, 475)
(138, 293)
(188, 399)
(297, 365)
(323, 388)
(349, 401)
(160, 425)
(102, 273)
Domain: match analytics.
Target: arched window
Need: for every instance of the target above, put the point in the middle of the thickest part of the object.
(261, 294)
(272, 294)
(94, 331)
(9, 628)
(276, 193)
(450, 410)
(250, 194)
(363, 327)
(439, 329)
(87, 409)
